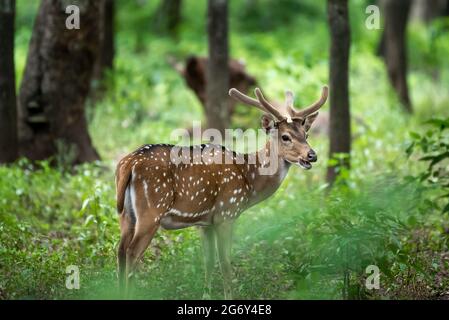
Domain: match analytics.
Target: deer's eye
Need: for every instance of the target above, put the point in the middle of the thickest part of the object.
(285, 138)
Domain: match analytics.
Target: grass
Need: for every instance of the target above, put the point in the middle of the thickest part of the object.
(299, 243)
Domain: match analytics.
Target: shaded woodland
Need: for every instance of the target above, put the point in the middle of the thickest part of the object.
(75, 101)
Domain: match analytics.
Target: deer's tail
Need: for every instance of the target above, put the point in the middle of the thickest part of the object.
(122, 178)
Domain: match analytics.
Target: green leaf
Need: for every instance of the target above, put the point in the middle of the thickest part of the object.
(441, 123)
(446, 208)
(415, 135)
(410, 149)
(435, 158)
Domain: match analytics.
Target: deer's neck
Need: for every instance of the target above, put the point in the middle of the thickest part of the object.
(267, 174)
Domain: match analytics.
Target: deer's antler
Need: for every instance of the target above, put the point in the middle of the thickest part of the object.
(314, 107)
(278, 113)
(287, 112)
(237, 95)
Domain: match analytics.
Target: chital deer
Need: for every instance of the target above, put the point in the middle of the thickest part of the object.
(154, 191)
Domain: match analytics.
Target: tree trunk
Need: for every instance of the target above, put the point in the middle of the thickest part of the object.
(8, 108)
(217, 113)
(340, 122)
(168, 16)
(56, 83)
(105, 59)
(427, 10)
(394, 49)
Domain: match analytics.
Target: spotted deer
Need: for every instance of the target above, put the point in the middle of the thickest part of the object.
(155, 191)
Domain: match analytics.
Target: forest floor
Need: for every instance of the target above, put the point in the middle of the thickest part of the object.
(300, 243)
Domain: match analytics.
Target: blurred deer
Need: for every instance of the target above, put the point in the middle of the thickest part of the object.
(194, 74)
(155, 191)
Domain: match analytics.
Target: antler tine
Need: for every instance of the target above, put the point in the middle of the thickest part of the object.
(289, 98)
(270, 108)
(315, 106)
(233, 92)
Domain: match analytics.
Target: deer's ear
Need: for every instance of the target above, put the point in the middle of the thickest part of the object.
(309, 120)
(267, 122)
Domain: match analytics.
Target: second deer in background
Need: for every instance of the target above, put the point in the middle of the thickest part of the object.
(194, 73)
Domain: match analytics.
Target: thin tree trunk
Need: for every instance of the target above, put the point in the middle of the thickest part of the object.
(340, 124)
(107, 46)
(394, 49)
(56, 83)
(427, 10)
(8, 108)
(217, 111)
(168, 16)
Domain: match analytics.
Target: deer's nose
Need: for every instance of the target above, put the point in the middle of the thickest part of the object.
(311, 156)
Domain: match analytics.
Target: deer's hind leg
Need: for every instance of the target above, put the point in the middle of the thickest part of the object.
(143, 234)
(147, 221)
(126, 235)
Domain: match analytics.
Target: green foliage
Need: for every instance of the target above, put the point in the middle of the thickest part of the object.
(433, 147)
(317, 239)
(433, 42)
(50, 220)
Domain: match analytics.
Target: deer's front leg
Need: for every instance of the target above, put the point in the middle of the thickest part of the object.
(208, 237)
(224, 239)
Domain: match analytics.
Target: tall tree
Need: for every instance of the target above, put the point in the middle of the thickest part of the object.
(217, 111)
(168, 16)
(340, 121)
(427, 10)
(8, 109)
(56, 82)
(393, 47)
(106, 55)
